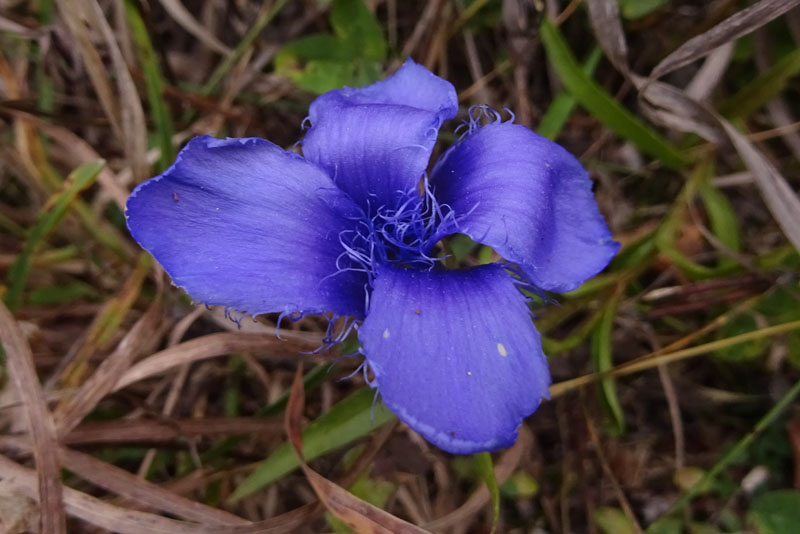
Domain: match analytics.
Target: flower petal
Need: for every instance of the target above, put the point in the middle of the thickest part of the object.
(530, 200)
(412, 85)
(375, 153)
(244, 224)
(455, 355)
(376, 141)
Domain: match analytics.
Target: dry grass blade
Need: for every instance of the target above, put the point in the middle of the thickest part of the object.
(662, 357)
(423, 27)
(672, 107)
(710, 74)
(131, 112)
(477, 502)
(775, 190)
(70, 413)
(71, 12)
(124, 521)
(8, 25)
(205, 347)
(167, 429)
(779, 110)
(359, 515)
(23, 375)
(182, 16)
(609, 471)
(669, 106)
(733, 27)
(82, 152)
(140, 491)
(685, 114)
(604, 16)
(101, 331)
(126, 485)
(97, 512)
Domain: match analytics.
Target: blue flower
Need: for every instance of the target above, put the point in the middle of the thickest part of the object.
(351, 228)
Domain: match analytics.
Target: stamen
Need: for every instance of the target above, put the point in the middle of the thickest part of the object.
(476, 115)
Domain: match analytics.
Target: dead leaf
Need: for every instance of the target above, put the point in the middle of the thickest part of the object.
(18, 513)
(204, 347)
(735, 26)
(72, 411)
(22, 373)
(182, 16)
(361, 516)
(607, 25)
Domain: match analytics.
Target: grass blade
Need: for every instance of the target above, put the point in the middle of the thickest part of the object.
(483, 461)
(352, 511)
(16, 352)
(601, 358)
(244, 45)
(155, 85)
(348, 420)
(738, 24)
(559, 111)
(761, 90)
(741, 446)
(667, 233)
(601, 105)
(77, 181)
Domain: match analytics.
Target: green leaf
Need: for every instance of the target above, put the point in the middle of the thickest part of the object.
(687, 476)
(348, 420)
(315, 46)
(666, 525)
(702, 528)
(244, 45)
(460, 246)
(782, 305)
(561, 108)
(311, 381)
(485, 468)
(520, 486)
(374, 491)
(763, 88)
(723, 220)
(154, 83)
(742, 352)
(322, 76)
(321, 62)
(601, 358)
(613, 521)
(77, 181)
(356, 26)
(637, 253)
(601, 105)
(54, 295)
(667, 233)
(776, 512)
(634, 9)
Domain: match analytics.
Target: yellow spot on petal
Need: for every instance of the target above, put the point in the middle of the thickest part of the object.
(386, 334)
(502, 350)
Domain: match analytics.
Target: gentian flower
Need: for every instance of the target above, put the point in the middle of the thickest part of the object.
(351, 228)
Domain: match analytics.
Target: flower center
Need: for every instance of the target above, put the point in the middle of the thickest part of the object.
(404, 236)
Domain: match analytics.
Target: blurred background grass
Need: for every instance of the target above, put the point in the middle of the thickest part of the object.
(675, 371)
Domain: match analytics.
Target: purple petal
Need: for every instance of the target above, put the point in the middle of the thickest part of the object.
(412, 85)
(376, 141)
(455, 355)
(375, 153)
(244, 224)
(530, 200)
